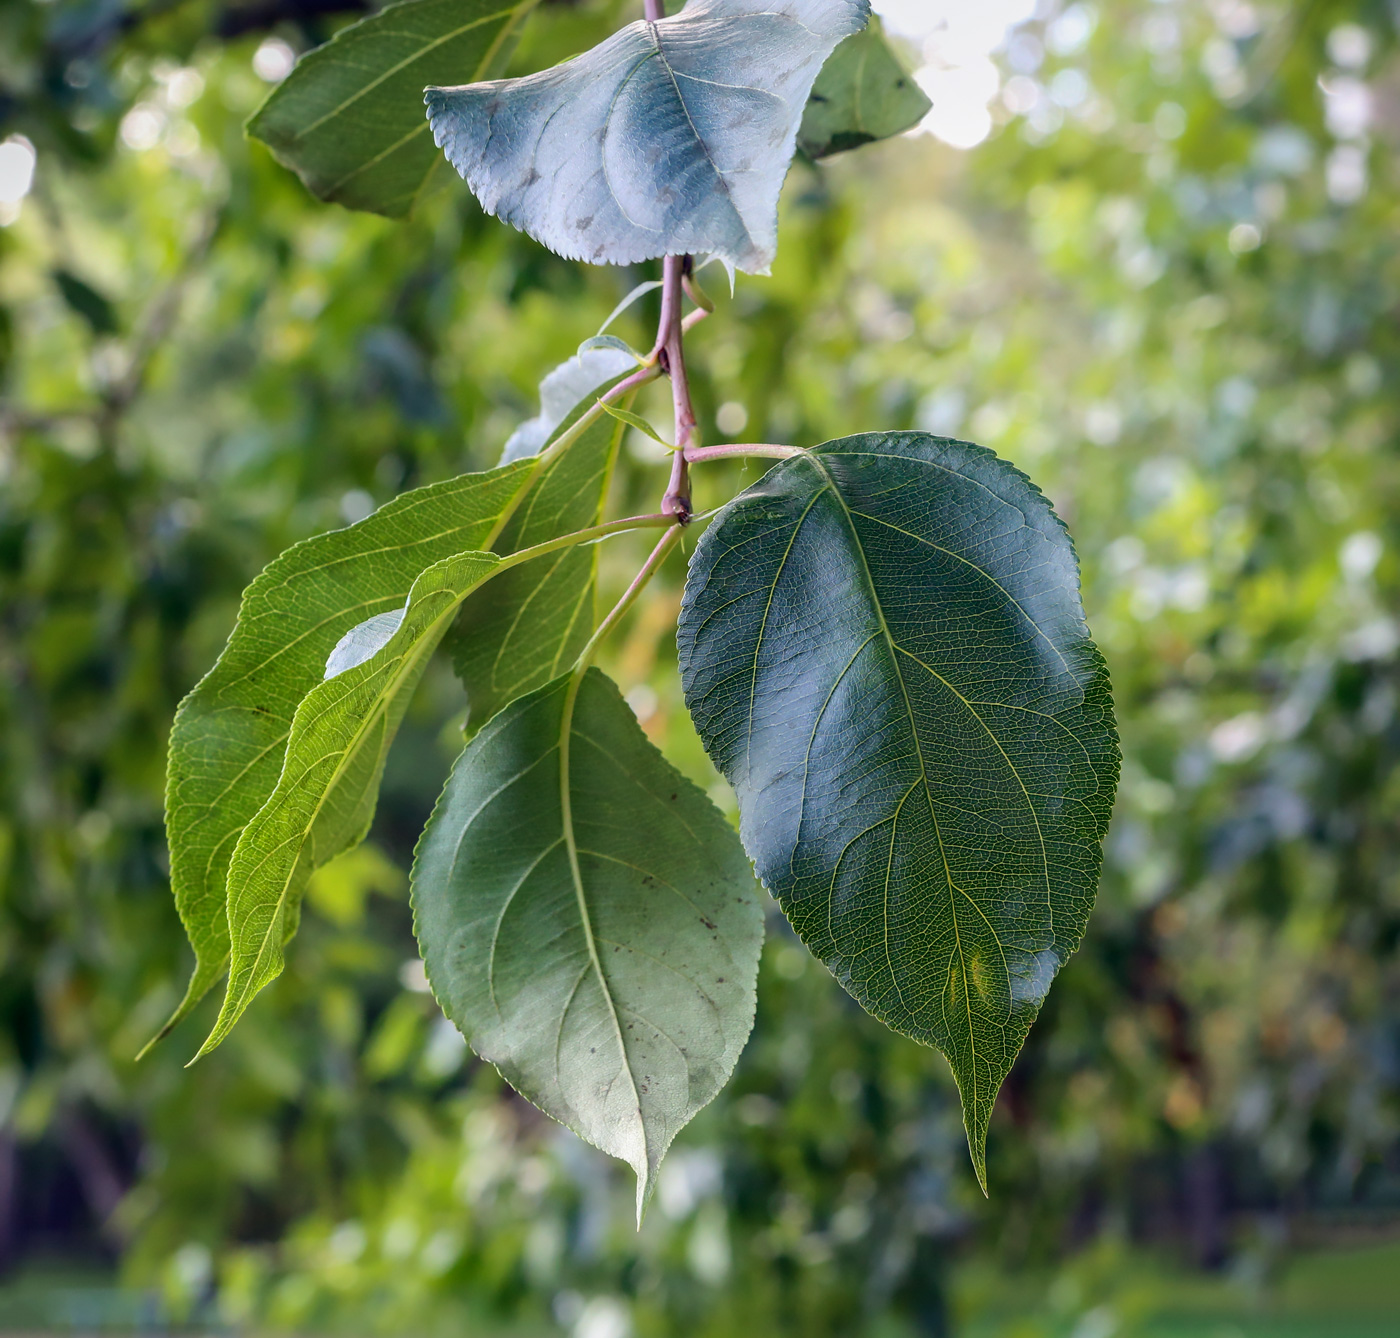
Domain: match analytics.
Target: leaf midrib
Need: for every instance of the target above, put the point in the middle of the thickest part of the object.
(896, 649)
(566, 812)
(830, 486)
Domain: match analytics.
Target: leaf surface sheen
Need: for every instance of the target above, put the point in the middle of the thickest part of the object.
(668, 138)
(325, 797)
(349, 118)
(883, 648)
(589, 921)
(230, 733)
(862, 94)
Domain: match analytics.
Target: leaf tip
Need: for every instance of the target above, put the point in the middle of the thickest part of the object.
(646, 1183)
(975, 1121)
(198, 987)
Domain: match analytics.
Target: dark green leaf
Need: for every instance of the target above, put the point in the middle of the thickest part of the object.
(883, 648)
(84, 300)
(326, 795)
(230, 734)
(349, 118)
(862, 94)
(714, 94)
(589, 921)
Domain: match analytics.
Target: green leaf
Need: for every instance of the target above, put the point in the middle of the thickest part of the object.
(349, 118)
(637, 421)
(84, 300)
(529, 624)
(230, 733)
(639, 292)
(883, 648)
(713, 95)
(862, 94)
(325, 798)
(589, 921)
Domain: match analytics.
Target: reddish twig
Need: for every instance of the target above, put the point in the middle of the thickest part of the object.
(698, 455)
(671, 338)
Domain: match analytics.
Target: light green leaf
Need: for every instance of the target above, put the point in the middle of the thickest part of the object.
(637, 421)
(883, 649)
(349, 118)
(589, 921)
(230, 733)
(325, 798)
(669, 138)
(862, 94)
(528, 625)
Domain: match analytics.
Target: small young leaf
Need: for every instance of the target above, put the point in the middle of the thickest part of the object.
(668, 138)
(230, 733)
(637, 421)
(883, 649)
(528, 625)
(326, 796)
(589, 921)
(862, 94)
(349, 118)
(639, 292)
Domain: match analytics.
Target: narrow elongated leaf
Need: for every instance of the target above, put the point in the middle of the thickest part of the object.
(528, 625)
(863, 93)
(589, 921)
(230, 734)
(326, 795)
(668, 138)
(349, 118)
(883, 648)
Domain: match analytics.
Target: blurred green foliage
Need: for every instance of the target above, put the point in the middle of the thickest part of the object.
(1172, 297)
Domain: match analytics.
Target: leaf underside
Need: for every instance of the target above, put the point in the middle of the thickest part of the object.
(230, 733)
(589, 921)
(883, 648)
(349, 118)
(666, 139)
(862, 94)
(527, 626)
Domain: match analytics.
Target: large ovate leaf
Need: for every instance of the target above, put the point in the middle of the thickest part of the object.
(349, 118)
(863, 93)
(326, 795)
(230, 733)
(589, 920)
(883, 648)
(668, 138)
(528, 625)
